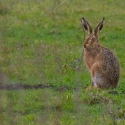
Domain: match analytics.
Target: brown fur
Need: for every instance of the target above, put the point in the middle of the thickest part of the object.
(102, 63)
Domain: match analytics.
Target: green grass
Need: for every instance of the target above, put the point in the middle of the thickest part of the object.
(41, 43)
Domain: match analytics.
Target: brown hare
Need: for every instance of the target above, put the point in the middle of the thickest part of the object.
(102, 63)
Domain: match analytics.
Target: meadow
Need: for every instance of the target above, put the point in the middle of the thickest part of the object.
(41, 44)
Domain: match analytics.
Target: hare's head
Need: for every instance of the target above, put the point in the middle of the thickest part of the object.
(92, 39)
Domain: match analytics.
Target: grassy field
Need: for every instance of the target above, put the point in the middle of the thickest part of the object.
(41, 43)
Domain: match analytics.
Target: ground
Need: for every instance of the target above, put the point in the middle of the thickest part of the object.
(41, 44)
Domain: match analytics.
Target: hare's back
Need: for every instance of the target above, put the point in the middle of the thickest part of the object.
(110, 66)
(110, 59)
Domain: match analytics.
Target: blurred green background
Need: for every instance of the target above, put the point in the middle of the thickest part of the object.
(41, 43)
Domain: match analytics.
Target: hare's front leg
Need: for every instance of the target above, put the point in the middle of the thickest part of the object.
(97, 80)
(92, 86)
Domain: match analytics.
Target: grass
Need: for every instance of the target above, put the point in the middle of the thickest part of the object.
(41, 43)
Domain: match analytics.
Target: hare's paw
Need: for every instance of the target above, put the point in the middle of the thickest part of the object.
(91, 87)
(96, 88)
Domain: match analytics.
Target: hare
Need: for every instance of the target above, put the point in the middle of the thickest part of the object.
(102, 63)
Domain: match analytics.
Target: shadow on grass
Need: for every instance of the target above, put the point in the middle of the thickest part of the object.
(19, 86)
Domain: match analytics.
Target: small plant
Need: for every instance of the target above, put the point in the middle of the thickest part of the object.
(3, 8)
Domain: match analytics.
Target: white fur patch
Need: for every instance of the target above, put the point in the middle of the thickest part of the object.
(94, 83)
(98, 80)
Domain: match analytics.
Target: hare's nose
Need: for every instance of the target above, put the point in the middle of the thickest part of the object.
(84, 46)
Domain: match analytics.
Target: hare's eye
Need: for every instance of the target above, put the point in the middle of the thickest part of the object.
(93, 38)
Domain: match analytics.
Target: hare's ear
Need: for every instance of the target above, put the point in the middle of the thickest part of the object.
(86, 25)
(99, 27)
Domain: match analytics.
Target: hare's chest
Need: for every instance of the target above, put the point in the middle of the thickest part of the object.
(89, 61)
